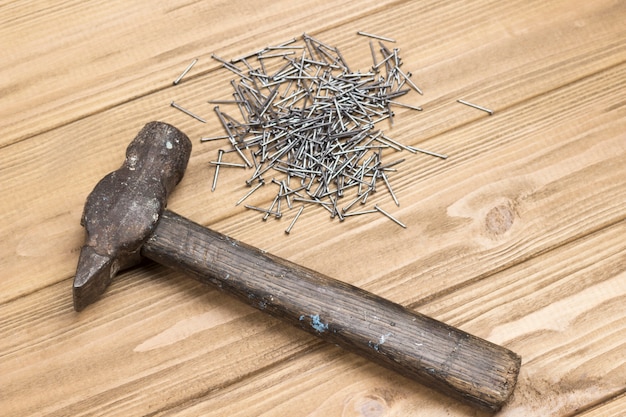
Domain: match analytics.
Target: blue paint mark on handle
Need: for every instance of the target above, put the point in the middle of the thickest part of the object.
(317, 323)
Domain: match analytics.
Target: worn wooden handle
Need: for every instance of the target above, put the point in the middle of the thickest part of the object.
(456, 363)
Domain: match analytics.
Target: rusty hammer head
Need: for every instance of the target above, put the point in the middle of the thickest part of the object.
(124, 207)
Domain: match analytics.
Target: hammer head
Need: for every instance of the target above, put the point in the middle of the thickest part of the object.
(125, 206)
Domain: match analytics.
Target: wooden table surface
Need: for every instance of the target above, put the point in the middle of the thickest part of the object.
(518, 237)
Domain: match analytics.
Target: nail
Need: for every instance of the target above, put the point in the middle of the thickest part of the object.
(405, 105)
(398, 222)
(208, 139)
(393, 195)
(438, 155)
(187, 112)
(249, 193)
(180, 77)
(359, 213)
(268, 212)
(217, 169)
(370, 35)
(227, 164)
(476, 106)
(288, 229)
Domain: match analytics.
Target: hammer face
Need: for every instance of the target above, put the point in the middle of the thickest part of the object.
(93, 275)
(124, 208)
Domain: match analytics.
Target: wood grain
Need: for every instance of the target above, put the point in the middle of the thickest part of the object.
(610, 408)
(517, 237)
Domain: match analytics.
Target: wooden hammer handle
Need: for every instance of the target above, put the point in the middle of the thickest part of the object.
(456, 363)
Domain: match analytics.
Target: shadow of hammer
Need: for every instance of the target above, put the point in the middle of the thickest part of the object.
(126, 220)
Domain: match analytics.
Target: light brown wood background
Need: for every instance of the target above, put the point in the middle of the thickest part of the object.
(519, 237)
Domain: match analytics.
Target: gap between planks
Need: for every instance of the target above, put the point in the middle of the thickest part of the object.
(609, 407)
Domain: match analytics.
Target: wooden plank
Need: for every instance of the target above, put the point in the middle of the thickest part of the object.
(64, 62)
(119, 51)
(613, 407)
(561, 311)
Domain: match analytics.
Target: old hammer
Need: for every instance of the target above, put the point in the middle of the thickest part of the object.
(126, 220)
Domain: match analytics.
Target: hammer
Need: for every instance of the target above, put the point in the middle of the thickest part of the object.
(126, 220)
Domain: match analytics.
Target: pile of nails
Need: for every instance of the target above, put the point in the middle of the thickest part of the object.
(301, 120)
